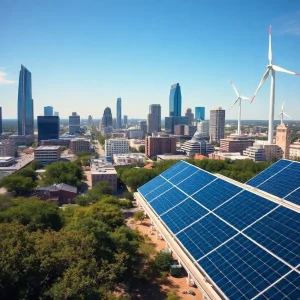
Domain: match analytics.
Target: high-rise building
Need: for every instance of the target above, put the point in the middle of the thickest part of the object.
(48, 111)
(154, 118)
(90, 120)
(0, 120)
(74, 123)
(160, 145)
(190, 115)
(170, 122)
(199, 113)
(283, 139)
(175, 101)
(142, 125)
(107, 118)
(203, 127)
(125, 120)
(217, 124)
(119, 114)
(25, 103)
(56, 113)
(48, 127)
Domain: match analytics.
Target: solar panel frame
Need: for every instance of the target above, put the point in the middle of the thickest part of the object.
(181, 176)
(151, 185)
(178, 167)
(294, 196)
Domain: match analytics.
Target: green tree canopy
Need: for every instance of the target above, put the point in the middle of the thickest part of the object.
(18, 184)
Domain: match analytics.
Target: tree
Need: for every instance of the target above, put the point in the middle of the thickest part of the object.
(139, 216)
(5, 202)
(82, 200)
(128, 195)
(18, 184)
(28, 172)
(82, 153)
(142, 148)
(162, 261)
(35, 165)
(172, 295)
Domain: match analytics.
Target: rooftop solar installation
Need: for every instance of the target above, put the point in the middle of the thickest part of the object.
(247, 243)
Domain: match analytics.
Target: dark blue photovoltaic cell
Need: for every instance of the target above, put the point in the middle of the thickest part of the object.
(264, 175)
(244, 209)
(174, 169)
(167, 200)
(183, 174)
(294, 197)
(286, 288)
(242, 269)
(205, 235)
(151, 185)
(216, 193)
(284, 182)
(279, 232)
(196, 182)
(158, 191)
(183, 215)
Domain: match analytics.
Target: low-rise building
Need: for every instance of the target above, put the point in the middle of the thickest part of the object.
(235, 143)
(7, 148)
(198, 145)
(228, 155)
(79, 145)
(47, 154)
(57, 142)
(171, 156)
(135, 133)
(7, 161)
(116, 146)
(129, 158)
(295, 150)
(62, 193)
(160, 145)
(103, 171)
(263, 152)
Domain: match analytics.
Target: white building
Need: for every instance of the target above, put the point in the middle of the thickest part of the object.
(203, 127)
(116, 146)
(129, 158)
(7, 161)
(135, 133)
(295, 150)
(47, 154)
(263, 152)
(217, 124)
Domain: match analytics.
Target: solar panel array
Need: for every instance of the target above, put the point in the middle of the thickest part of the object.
(248, 245)
(282, 179)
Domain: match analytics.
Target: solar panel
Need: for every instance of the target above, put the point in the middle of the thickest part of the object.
(294, 197)
(216, 193)
(167, 200)
(242, 269)
(158, 191)
(183, 174)
(279, 232)
(205, 235)
(198, 180)
(284, 182)
(244, 209)
(286, 288)
(261, 177)
(151, 185)
(183, 215)
(178, 167)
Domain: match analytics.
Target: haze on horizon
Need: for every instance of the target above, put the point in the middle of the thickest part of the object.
(84, 56)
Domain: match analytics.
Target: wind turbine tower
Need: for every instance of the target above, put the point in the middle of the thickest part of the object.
(271, 68)
(239, 99)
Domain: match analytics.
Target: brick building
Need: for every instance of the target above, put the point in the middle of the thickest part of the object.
(160, 145)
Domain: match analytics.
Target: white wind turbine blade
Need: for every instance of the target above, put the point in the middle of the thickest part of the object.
(234, 103)
(282, 106)
(264, 78)
(286, 115)
(279, 114)
(245, 98)
(234, 88)
(270, 45)
(279, 69)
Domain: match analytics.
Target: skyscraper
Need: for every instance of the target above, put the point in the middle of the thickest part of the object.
(217, 124)
(25, 103)
(90, 120)
(175, 101)
(107, 117)
(142, 125)
(0, 120)
(154, 118)
(74, 123)
(56, 113)
(48, 127)
(125, 121)
(48, 111)
(200, 113)
(119, 114)
(190, 115)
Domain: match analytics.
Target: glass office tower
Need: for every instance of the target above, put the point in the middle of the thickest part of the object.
(200, 113)
(175, 101)
(119, 113)
(48, 111)
(48, 127)
(25, 103)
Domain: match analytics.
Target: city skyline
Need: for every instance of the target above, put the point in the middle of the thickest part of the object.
(203, 62)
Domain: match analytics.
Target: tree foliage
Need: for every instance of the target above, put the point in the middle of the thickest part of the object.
(18, 184)
(139, 216)
(162, 261)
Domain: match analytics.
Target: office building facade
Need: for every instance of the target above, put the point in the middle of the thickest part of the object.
(48, 111)
(203, 127)
(217, 124)
(48, 127)
(125, 121)
(25, 103)
(74, 124)
(170, 122)
(160, 145)
(56, 113)
(47, 154)
(107, 118)
(119, 114)
(175, 101)
(142, 125)
(235, 144)
(79, 145)
(154, 118)
(200, 113)
(116, 146)
(190, 115)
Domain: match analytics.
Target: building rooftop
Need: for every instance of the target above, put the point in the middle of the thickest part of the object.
(171, 156)
(57, 187)
(5, 158)
(47, 148)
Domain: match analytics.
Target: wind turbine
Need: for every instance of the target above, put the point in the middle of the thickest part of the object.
(271, 69)
(283, 113)
(239, 99)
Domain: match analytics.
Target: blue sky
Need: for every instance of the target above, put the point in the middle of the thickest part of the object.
(83, 55)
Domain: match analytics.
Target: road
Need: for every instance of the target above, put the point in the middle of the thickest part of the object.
(99, 148)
